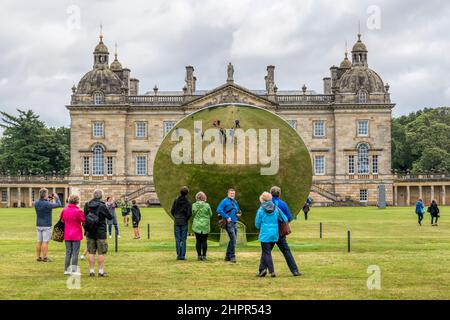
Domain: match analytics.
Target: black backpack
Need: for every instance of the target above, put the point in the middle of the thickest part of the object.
(92, 220)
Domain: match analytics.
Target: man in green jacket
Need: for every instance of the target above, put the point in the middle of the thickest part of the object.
(201, 225)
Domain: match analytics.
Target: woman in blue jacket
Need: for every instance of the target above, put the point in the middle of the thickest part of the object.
(266, 221)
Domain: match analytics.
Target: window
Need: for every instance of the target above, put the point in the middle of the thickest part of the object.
(4, 196)
(363, 195)
(362, 96)
(319, 129)
(363, 128)
(98, 98)
(375, 164)
(293, 124)
(319, 165)
(141, 165)
(351, 164)
(86, 166)
(97, 130)
(363, 159)
(141, 129)
(168, 125)
(98, 161)
(109, 169)
(33, 195)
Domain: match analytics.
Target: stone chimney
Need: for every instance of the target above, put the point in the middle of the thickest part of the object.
(270, 80)
(134, 87)
(334, 77)
(327, 85)
(190, 80)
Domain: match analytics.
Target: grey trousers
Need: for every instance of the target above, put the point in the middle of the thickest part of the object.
(72, 251)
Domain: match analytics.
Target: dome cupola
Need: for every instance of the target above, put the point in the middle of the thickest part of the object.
(359, 53)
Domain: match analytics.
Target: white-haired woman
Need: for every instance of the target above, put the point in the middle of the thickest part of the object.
(201, 225)
(266, 221)
(73, 218)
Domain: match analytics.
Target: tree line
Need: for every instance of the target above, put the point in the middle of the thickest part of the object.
(420, 143)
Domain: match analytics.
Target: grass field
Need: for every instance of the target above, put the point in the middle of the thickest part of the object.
(414, 261)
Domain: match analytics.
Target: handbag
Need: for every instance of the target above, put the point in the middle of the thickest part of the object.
(58, 231)
(283, 227)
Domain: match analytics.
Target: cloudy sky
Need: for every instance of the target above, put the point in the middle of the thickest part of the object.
(46, 46)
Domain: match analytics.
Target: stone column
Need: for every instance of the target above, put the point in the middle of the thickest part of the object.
(54, 190)
(19, 196)
(395, 196)
(432, 193)
(8, 197)
(30, 197)
(408, 200)
(420, 192)
(443, 195)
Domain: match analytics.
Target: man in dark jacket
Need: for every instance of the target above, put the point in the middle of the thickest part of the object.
(282, 241)
(181, 212)
(96, 238)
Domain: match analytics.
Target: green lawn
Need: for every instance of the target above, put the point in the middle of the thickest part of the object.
(414, 261)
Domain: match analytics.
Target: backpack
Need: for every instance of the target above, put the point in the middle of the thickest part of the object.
(92, 220)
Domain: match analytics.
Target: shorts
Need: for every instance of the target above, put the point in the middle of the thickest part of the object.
(44, 234)
(135, 224)
(99, 246)
(125, 213)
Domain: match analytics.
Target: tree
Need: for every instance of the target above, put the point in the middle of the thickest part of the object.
(418, 136)
(29, 146)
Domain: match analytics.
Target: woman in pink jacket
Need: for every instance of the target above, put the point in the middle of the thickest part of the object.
(73, 218)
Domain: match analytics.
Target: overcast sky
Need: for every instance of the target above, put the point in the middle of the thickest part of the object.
(46, 46)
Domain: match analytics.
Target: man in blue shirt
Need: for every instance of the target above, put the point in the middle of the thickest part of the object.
(229, 210)
(44, 222)
(420, 210)
(282, 241)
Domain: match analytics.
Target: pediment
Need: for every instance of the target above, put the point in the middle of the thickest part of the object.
(230, 93)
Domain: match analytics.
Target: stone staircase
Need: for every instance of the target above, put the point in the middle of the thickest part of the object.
(335, 199)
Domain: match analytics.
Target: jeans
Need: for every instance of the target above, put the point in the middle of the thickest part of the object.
(266, 257)
(72, 251)
(232, 234)
(180, 240)
(420, 218)
(284, 248)
(116, 227)
(202, 244)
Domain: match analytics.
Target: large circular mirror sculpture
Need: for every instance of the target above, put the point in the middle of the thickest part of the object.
(233, 146)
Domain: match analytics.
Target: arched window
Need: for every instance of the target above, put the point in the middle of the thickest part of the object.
(98, 163)
(98, 98)
(363, 158)
(362, 96)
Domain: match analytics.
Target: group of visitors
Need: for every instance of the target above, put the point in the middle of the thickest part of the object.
(96, 219)
(270, 214)
(223, 132)
(433, 210)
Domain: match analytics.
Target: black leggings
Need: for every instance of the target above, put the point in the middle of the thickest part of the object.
(433, 218)
(201, 244)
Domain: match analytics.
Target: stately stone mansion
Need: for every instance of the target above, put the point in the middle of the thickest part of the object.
(116, 131)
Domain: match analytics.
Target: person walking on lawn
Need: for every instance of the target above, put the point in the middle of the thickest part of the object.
(201, 224)
(73, 218)
(282, 241)
(44, 207)
(228, 209)
(96, 212)
(136, 218)
(433, 209)
(420, 210)
(181, 212)
(266, 221)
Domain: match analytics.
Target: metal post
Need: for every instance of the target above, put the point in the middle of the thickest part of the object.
(348, 241)
(321, 230)
(148, 231)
